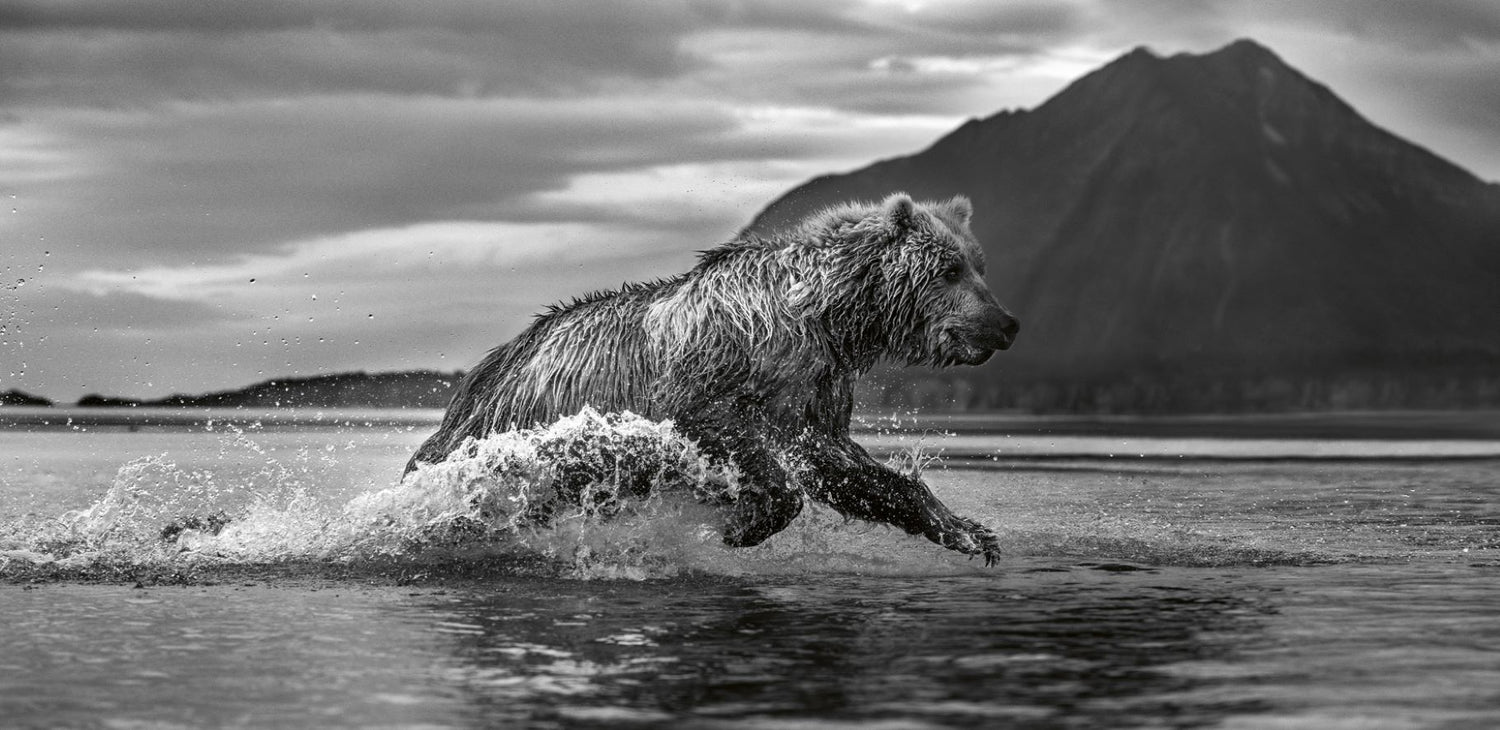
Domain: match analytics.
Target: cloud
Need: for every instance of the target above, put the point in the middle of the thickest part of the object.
(119, 52)
(1029, 22)
(59, 307)
(1423, 27)
(470, 16)
(856, 64)
(206, 182)
(439, 248)
(31, 155)
(113, 53)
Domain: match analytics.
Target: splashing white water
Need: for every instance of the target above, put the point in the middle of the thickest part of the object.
(612, 495)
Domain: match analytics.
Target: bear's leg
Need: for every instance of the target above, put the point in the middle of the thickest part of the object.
(767, 502)
(847, 479)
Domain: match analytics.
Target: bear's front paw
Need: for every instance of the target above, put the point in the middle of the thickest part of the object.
(970, 537)
(990, 545)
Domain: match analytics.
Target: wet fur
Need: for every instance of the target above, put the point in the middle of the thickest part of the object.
(754, 353)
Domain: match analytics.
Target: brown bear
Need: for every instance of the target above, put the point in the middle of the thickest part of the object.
(754, 354)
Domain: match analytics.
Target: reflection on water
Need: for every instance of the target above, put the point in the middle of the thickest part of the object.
(89, 656)
(1387, 646)
(1055, 644)
(1077, 643)
(1042, 644)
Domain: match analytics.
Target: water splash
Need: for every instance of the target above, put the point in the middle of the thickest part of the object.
(611, 495)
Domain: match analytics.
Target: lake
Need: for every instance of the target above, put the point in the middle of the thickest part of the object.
(1153, 579)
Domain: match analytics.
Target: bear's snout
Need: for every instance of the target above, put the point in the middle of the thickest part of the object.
(974, 340)
(998, 331)
(1009, 327)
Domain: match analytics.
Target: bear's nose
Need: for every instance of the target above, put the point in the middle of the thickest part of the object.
(1010, 326)
(1005, 326)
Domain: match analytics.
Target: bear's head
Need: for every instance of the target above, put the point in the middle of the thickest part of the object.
(911, 282)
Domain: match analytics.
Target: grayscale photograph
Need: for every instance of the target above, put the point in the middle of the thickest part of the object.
(750, 364)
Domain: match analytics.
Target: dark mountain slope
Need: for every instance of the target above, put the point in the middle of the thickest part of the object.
(402, 389)
(15, 397)
(1208, 224)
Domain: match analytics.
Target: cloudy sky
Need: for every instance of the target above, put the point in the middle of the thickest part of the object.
(202, 194)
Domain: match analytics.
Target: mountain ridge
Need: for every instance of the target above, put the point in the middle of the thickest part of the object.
(393, 389)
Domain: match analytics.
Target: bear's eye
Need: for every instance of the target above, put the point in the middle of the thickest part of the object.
(953, 272)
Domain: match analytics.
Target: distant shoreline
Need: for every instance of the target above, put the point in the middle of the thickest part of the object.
(185, 418)
(1356, 425)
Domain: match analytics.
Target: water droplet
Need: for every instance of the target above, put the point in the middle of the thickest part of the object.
(252, 281)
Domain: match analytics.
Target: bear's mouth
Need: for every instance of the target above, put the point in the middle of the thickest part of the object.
(965, 349)
(975, 356)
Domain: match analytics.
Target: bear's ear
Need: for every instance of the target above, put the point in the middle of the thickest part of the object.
(899, 209)
(961, 208)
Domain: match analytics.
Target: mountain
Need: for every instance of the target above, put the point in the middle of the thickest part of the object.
(1214, 232)
(405, 389)
(15, 397)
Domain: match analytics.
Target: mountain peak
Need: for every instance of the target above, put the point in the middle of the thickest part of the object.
(1242, 84)
(1244, 62)
(1242, 72)
(1245, 50)
(1240, 49)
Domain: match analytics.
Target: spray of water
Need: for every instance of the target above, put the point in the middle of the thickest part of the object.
(601, 494)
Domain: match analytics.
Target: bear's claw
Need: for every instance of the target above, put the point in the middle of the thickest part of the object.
(991, 547)
(984, 542)
(972, 538)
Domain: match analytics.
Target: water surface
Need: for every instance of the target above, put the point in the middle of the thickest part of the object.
(1155, 592)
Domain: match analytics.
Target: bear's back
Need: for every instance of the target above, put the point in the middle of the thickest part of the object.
(592, 352)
